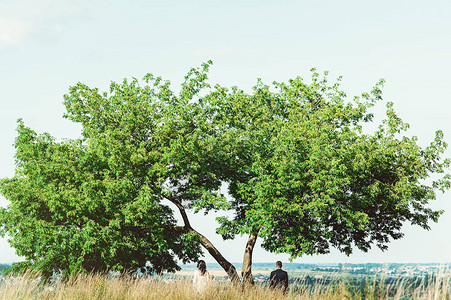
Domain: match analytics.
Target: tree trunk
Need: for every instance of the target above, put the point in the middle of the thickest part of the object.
(224, 263)
(246, 272)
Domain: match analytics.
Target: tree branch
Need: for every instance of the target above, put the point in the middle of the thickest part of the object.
(182, 210)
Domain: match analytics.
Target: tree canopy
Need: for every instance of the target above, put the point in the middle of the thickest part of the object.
(302, 175)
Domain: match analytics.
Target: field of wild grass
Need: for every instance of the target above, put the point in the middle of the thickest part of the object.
(101, 287)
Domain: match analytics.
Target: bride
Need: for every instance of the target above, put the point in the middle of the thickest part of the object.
(201, 276)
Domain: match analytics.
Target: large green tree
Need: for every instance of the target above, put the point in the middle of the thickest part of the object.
(302, 175)
(70, 211)
(95, 204)
(309, 178)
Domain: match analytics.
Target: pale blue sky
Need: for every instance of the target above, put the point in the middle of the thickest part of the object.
(47, 46)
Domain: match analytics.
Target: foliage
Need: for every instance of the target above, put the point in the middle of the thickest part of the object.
(307, 176)
(302, 174)
(94, 204)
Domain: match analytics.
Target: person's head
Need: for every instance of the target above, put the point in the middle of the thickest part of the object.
(202, 267)
(278, 264)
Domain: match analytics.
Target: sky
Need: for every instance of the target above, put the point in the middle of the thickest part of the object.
(48, 46)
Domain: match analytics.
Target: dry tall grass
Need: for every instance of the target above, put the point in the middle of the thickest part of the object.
(100, 287)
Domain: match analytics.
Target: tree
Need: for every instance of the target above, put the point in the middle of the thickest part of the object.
(302, 175)
(94, 204)
(71, 211)
(309, 178)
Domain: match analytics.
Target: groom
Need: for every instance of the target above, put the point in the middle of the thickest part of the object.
(279, 278)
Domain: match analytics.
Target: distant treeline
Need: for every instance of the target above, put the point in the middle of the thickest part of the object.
(289, 266)
(4, 266)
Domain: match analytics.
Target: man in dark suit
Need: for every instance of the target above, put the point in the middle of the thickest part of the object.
(279, 278)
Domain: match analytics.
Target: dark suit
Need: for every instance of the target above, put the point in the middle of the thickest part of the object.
(278, 279)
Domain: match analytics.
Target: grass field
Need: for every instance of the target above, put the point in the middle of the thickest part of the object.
(101, 287)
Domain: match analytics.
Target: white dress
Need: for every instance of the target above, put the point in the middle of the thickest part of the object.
(200, 281)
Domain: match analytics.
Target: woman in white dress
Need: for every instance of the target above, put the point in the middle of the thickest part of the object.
(201, 276)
